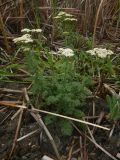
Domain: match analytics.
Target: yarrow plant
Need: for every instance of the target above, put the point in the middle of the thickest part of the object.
(56, 85)
(65, 28)
(65, 16)
(100, 52)
(97, 63)
(65, 23)
(27, 36)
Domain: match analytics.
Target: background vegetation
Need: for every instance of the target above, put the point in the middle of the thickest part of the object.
(58, 83)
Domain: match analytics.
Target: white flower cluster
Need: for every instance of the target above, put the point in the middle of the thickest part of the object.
(66, 16)
(26, 38)
(100, 52)
(60, 14)
(26, 30)
(67, 52)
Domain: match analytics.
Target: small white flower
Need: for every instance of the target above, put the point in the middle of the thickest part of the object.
(28, 41)
(26, 30)
(36, 30)
(63, 14)
(70, 19)
(67, 52)
(68, 15)
(26, 38)
(31, 30)
(100, 52)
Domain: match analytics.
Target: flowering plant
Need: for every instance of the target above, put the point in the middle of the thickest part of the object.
(56, 85)
(64, 23)
(26, 38)
(100, 52)
(96, 62)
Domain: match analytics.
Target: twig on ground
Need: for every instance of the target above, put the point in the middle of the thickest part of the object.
(92, 139)
(6, 117)
(2, 109)
(81, 147)
(71, 150)
(111, 90)
(93, 108)
(12, 90)
(76, 151)
(95, 143)
(112, 130)
(27, 135)
(16, 134)
(16, 114)
(37, 117)
(73, 119)
(99, 120)
(54, 114)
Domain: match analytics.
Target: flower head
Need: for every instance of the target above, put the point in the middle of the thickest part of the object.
(26, 30)
(67, 52)
(100, 52)
(65, 15)
(70, 19)
(36, 30)
(26, 38)
(61, 13)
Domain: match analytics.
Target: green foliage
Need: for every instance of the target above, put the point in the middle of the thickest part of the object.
(32, 61)
(61, 90)
(95, 66)
(75, 40)
(56, 84)
(66, 127)
(114, 106)
(8, 66)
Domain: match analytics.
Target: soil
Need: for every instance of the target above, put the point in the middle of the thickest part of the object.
(37, 145)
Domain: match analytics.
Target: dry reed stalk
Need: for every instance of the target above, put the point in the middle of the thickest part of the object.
(92, 139)
(54, 114)
(16, 135)
(96, 21)
(2, 29)
(41, 124)
(21, 14)
(84, 10)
